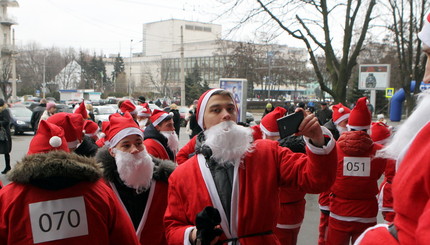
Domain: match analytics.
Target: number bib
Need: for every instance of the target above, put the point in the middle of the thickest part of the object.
(356, 166)
(58, 219)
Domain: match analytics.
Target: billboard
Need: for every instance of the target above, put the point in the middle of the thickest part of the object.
(374, 77)
(239, 88)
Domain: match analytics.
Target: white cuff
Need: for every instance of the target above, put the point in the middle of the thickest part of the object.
(326, 149)
(187, 235)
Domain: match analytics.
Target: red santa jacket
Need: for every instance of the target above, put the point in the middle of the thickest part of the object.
(59, 198)
(356, 187)
(184, 153)
(255, 198)
(156, 149)
(385, 197)
(411, 192)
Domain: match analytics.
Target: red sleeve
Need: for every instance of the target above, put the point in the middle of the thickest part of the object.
(312, 173)
(155, 149)
(186, 150)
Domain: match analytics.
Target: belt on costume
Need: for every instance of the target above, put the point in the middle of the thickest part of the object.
(235, 239)
(393, 231)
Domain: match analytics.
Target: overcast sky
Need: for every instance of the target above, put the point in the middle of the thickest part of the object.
(100, 25)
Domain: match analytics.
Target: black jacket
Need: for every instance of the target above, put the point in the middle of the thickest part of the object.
(134, 203)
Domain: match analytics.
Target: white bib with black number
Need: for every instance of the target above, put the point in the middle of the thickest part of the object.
(58, 219)
(356, 166)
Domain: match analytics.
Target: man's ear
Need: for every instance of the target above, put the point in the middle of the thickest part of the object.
(111, 152)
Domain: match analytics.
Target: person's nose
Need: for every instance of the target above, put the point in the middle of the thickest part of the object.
(226, 116)
(134, 149)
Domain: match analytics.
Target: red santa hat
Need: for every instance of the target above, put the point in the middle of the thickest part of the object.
(82, 110)
(269, 125)
(340, 113)
(72, 125)
(424, 34)
(49, 137)
(121, 127)
(158, 116)
(380, 133)
(90, 128)
(202, 102)
(145, 111)
(360, 117)
(127, 106)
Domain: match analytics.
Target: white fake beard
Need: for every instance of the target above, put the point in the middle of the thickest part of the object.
(229, 142)
(341, 129)
(135, 169)
(405, 134)
(172, 140)
(142, 123)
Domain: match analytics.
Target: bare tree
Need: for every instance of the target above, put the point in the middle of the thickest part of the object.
(406, 20)
(312, 22)
(6, 68)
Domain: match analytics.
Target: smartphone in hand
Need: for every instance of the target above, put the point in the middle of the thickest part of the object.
(289, 124)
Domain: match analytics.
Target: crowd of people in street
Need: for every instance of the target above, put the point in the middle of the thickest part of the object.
(129, 182)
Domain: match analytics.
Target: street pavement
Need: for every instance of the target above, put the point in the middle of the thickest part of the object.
(309, 230)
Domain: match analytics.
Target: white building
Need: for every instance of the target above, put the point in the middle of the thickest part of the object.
(6, 44)
(159, 63)
(69, 77)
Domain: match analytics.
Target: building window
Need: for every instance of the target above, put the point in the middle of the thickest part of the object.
(189, 27)
(207, 29)
(198, 28)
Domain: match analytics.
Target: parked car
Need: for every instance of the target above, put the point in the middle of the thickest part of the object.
(21, 118)
(64, 108)
(102, 113)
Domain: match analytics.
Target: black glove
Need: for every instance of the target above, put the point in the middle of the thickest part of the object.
(206, 221)
(243, 124)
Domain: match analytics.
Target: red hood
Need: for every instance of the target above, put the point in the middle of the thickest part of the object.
(355, 143)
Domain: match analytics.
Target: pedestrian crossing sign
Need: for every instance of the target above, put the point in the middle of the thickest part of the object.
(389, 92)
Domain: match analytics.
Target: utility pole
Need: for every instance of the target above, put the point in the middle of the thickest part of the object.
(13, 67)
(182, 69)
(129, 80)
(44, 77)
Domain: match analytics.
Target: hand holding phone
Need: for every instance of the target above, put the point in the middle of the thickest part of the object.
(289, 124)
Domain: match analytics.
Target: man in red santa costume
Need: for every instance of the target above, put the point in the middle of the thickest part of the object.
(138, 180)
(127, 106)
(57, 197)
(292, 200)
(143, 115)
(381, 134)
(336, 125)
(240, 178)
(161, 140)
(411, 186)
(353, 203)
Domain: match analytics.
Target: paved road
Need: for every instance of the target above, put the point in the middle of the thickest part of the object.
(309, 230)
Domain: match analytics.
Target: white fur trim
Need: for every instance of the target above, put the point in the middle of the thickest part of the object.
(424, 34)
(55, 141)
(213, 193)
(187, 235)
(203, 106)
(147, 207)
(141, 114)
(353, 219)
(341, 118)
(326, 149)
(267, 132)
(358, 128)
(360, 238)
(341, 110)
(284, 226)
(122, 134)
(326, 208)
(160, 119)
(73, 144)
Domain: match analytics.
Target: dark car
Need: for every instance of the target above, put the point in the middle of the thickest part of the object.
(21, 118)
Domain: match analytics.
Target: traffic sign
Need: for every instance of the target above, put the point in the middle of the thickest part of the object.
(389, 92)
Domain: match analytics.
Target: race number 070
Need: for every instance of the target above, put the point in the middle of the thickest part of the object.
(58, 219)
